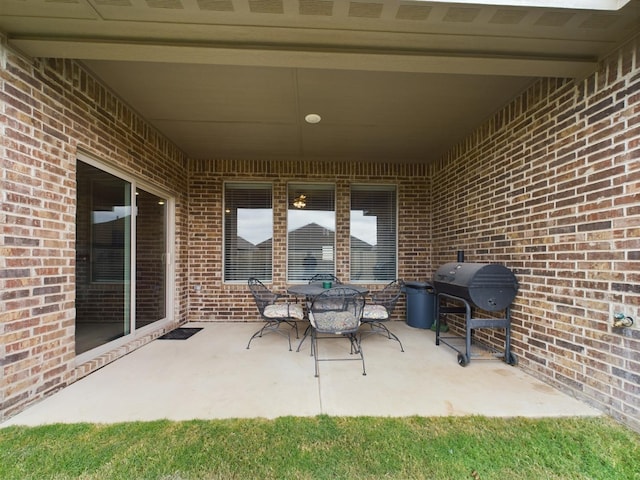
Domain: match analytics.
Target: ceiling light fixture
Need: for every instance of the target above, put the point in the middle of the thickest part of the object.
(300, 201)
(312, 118)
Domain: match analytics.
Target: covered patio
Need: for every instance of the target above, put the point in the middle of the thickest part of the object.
(132, 133)
(212, 375)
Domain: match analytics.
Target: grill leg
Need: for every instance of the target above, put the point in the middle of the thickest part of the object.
(508, 356)
(469, 325)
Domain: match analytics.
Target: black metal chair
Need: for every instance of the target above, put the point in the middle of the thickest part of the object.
(334, 314)
(273, 312)
(317, 278)
(325, 277)
(380, 309)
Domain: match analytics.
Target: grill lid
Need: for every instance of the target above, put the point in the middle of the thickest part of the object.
(488, 286)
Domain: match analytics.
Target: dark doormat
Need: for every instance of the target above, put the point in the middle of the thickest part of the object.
(180, 333)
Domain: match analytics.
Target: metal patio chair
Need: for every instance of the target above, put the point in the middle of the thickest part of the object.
(325, 277)
(317, 278)
(334, 314)
(273, 312)
(380, 309)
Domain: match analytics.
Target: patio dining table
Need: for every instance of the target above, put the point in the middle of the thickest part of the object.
(310, 290)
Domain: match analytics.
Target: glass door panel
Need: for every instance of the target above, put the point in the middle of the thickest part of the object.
(103, 258)
(151, 258)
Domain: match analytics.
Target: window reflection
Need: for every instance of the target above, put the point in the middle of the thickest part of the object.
(248, 231)
(373, 233)
(151, 265)
(310, 231)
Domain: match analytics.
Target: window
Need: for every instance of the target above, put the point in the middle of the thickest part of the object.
(248, 231)
(311, 227)
(373, 233)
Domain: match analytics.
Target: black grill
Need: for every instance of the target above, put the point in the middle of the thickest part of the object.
(488, 286)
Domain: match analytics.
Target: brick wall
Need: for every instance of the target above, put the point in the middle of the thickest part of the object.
(217, 301)
(550, 187)
(50, 110)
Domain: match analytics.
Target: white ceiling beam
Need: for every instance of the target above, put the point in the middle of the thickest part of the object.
(488, 64)
(607, 5)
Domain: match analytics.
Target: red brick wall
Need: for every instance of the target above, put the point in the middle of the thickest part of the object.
(49, 110)
(550, 187)
(217, 301)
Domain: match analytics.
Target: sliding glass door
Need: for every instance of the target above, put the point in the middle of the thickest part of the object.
(151, 258)
(121, 257)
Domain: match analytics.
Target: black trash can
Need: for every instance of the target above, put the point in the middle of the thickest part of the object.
(420, 304)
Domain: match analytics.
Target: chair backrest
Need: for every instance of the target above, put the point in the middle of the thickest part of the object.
(262, 295)
(388, 296)
(338, 310)
(329, 277)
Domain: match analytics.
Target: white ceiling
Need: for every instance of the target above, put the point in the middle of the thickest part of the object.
(392, 80)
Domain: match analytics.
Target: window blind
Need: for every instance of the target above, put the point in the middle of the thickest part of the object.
(248, 231)
(373, 229)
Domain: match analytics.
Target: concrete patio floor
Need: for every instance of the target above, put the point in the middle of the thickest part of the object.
(212, 375)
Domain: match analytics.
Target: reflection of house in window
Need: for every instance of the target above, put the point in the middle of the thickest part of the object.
(310, 251)
(385, 266)
(360, 253)
(310, 264)
(315, 251)
(251, 260)
(244, 246)
(262, 257)
(373, 217)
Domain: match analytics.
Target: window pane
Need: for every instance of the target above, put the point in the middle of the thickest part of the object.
(248, 231)
(373, 232)
(151, 265)
(103, 258)
(111, 228)
(311, 226)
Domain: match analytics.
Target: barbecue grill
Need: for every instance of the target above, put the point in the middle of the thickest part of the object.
(484, 286)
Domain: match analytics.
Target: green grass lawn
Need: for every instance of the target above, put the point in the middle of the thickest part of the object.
(326, 448)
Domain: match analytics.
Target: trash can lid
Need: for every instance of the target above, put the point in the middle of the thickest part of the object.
(417, 285)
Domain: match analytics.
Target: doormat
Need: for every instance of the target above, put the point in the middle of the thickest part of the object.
(180, 333)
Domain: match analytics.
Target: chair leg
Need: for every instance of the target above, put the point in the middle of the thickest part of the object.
(294, 324)
(381, 329)
(356, 347)
(257, 334)
(273, 327)
(304, 336)
(314, 351)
